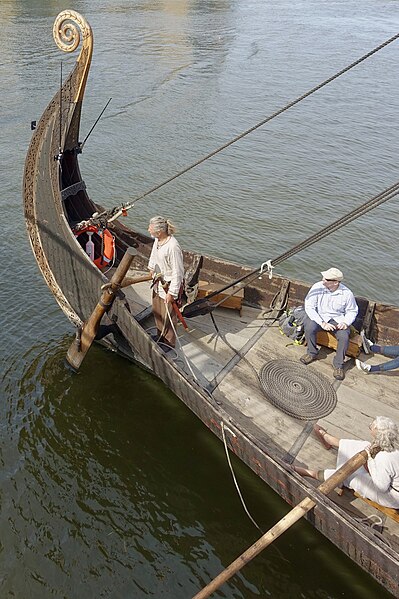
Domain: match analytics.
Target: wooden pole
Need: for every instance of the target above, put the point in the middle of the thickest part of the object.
(285, 523)
(84, 339)
(130, 281)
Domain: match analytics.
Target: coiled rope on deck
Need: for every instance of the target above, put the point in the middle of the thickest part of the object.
(299, 392)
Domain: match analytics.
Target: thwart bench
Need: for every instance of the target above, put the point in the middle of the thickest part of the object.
(234, 302)
(328, 340)
(363, 321)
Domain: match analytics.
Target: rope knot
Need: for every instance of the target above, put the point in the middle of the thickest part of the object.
(269, 266)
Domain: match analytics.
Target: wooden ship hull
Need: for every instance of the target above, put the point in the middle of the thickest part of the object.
(219, 376)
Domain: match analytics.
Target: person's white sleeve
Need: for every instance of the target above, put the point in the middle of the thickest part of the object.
(351, 310)
(379, 474)
(177, 267)
(152, 260)
(311, 301)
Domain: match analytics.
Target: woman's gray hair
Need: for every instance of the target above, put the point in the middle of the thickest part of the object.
(386, 433)
(162, 224)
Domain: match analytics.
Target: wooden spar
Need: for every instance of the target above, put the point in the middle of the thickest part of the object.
(130, 281)
(81, 345)
(285, 523)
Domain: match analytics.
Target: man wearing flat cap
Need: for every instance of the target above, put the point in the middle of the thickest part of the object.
(329, 306)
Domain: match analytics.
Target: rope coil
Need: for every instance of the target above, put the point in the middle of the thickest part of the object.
(296, 390)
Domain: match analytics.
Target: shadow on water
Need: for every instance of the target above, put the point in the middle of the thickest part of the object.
(111, 487)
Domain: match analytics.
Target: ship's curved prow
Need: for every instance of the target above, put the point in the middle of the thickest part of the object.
(51, 163)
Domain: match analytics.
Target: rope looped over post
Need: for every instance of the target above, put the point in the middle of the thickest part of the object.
(268, 264)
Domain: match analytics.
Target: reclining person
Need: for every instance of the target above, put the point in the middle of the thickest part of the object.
(390, 351)
(329, 306)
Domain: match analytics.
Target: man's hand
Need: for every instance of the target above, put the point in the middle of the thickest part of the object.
(328, 326)
(342, 326)
(169, 299)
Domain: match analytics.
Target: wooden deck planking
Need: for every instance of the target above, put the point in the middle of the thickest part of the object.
(138, 297)
(358, 401)
(208, 351)
(242, 389)
(360, 397)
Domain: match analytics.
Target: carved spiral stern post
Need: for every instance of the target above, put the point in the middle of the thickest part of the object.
(69, 29)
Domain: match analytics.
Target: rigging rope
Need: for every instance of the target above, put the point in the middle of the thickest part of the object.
(191, 309)
(107, 216)
(374, 202)
(266, 120)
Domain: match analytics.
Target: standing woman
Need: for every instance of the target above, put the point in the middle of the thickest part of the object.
(166, 259)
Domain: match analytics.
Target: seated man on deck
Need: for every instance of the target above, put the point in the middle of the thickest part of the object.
(331, 306)
(378, 480)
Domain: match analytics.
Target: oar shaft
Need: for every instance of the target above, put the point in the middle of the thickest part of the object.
(131, 281)
(79, 349)
(293, 516)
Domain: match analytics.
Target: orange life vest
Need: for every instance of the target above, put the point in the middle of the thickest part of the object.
(107, 244)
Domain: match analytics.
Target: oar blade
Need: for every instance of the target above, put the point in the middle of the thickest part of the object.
(81, 345)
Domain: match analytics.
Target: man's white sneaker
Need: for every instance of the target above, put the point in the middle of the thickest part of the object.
(363, 366)
(366, 343)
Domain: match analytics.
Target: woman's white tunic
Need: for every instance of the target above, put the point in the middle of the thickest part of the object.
(168, 259)
(382, 484)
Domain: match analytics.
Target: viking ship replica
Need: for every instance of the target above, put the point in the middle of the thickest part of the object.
(232, 367)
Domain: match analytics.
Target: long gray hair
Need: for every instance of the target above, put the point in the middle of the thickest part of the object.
(162, 224)
(386, 433)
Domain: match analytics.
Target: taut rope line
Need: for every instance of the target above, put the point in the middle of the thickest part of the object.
(374, 202)
(266, 120)
(377, 200)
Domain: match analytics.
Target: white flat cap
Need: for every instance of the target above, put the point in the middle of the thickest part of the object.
(334, 274)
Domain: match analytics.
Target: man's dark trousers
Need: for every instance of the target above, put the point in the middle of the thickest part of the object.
(342, 336)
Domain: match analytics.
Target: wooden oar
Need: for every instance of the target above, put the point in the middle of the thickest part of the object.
(81, 345)
(293, 516)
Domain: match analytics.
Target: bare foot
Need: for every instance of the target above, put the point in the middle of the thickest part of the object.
(325, 438)
(306, 472)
